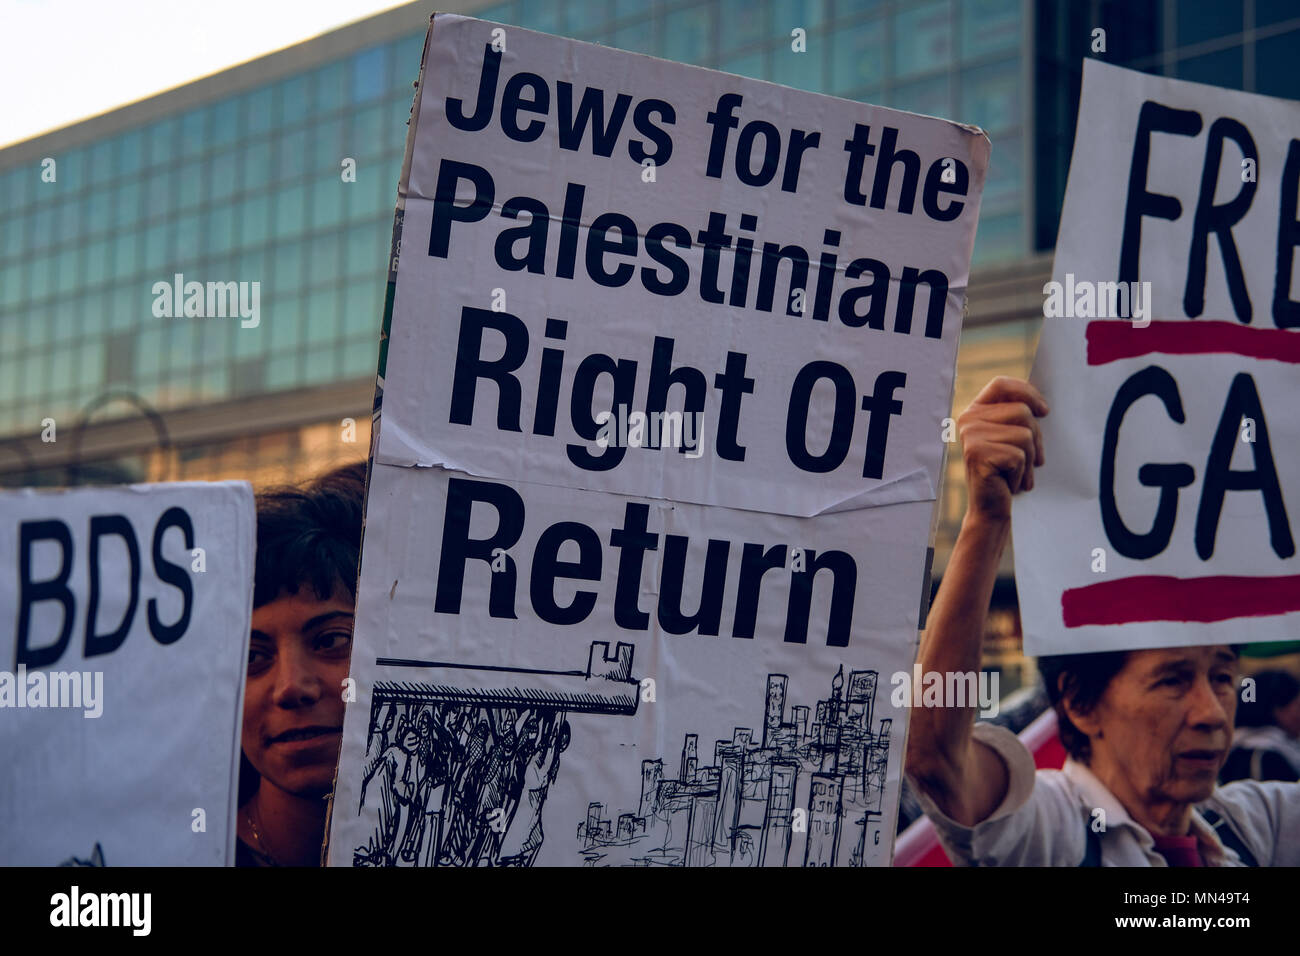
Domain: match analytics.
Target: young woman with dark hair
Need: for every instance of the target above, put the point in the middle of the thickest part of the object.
(304, 595)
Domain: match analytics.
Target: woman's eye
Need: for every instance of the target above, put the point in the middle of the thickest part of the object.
(332, 640)
(258, 657)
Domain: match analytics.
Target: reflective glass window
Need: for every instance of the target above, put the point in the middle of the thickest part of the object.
(255, 220)
(803, 71)
(1200, 20)
(369, 132)
(259, 110)
(69, 170)
(130, 152)
(69, 221)
(858, 56)
(922, 38)
(257, 164)
(291, 153)
(294, 101)
(223, 175)
(219, 228)
(801, 13)
(1223, 68)
(323, 309)
(404, 63)
(127, 199)
(161, 138)
(931, 97)
(320, 365)
(126, 254)
(191, 185)
(189, 238)
(327, 145)
(748, 64)
(1276, 72)
(157, 246)
(13, 235)
(99, 209)
(97, 262)
(290, 210)
(688, 34)
(363, 307)
(286, 271)
(225, 122)
(990, 96)
(370, 74)
(194, 132)
(326, 201)
(331, 87)
(999, 238)
(1269, 12)
(989, 27)
(743, 23)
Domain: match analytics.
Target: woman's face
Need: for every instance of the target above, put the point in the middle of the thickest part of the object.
(293, 700)
(1164, 722)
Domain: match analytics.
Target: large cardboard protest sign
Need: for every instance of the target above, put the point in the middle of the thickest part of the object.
(1166, 513)
(121, 683)
(659, 444)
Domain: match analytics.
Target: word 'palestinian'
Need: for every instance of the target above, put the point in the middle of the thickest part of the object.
(728, 280)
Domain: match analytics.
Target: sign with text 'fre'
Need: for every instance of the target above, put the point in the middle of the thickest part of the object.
(122, 662)
(1170, 355)
(660, 434)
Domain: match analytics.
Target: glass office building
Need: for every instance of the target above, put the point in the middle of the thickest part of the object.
(239, 177)
(242, 183)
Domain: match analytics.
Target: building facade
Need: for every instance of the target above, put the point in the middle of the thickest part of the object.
(282, 171)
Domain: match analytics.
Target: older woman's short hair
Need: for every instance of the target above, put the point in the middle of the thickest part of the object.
(1080, 679)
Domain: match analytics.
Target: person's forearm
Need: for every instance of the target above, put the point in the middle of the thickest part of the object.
(953, 643)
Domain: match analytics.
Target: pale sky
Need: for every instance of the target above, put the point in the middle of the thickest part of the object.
(65, 60)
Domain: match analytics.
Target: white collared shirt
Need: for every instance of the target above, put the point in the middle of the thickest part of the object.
(1046, 815)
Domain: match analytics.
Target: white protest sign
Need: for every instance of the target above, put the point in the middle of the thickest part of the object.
(614, 635)
(122, 672)
(583, 646)
(784, 280)
(1166, 512)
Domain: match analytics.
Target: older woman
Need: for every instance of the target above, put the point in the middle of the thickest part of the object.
(1147, 731)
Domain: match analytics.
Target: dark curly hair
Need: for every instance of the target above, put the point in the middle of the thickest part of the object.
(309, 535)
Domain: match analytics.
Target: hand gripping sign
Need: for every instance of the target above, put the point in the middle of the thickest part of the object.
(1166, 513)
